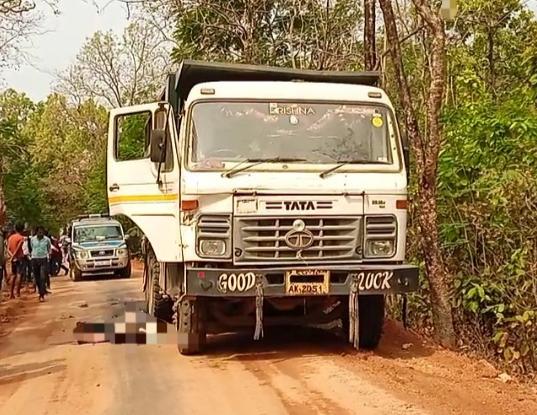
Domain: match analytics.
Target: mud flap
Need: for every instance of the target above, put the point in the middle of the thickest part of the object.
(258, 333)
(354, 315)
(145, 274)
(190, 330)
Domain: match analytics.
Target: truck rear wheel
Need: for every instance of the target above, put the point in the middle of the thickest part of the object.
(158, 304)
(371, 314)
(190, 323)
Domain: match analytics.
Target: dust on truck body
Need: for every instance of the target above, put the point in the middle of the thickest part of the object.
(267, 197)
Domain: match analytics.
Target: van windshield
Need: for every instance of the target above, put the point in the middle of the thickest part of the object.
(96, 233)
(318, 133)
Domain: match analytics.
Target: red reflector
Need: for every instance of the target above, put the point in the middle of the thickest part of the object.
(201, 275)
(189, 205)
(401, 204)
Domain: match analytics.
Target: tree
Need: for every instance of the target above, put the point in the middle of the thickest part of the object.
(118, 71)
(311, 34)
(19, 21)
(370, 50)
(68, 154)
(15, 110)
(425, 140)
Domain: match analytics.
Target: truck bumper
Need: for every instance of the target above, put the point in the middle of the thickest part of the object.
(301, 281)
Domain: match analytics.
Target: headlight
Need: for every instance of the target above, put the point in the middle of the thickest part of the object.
(380, 248)
(122, 251)
(81, 254)
(212, 247)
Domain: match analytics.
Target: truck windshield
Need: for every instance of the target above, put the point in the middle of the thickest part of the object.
(318, 133)
(97, 233)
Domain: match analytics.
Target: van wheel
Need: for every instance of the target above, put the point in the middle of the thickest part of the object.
(190, 323)
(158, 303)
(371, 313)
(125, 272)
(77, 274)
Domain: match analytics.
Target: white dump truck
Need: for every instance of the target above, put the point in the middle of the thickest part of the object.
(268, 197)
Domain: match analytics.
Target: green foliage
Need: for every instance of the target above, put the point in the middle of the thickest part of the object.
(132, 132)
(487, 181)
(54, 153)
(488, 223)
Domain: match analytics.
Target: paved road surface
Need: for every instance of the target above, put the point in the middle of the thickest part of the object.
(42, 371)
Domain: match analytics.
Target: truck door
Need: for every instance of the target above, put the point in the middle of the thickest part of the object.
(137, 187)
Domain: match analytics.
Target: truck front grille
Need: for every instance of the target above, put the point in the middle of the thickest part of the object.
(263, 239)
(380, 227)
(214, 227)
(102, 253)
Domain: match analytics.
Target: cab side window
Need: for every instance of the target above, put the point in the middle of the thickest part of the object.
(132, 136)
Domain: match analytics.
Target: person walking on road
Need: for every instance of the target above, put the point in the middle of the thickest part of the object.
(26, 267)
(41, 248)
(2, 259)
(56, 258)
(16, 254)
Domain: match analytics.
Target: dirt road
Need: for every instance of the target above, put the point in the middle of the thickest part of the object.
(42, 371)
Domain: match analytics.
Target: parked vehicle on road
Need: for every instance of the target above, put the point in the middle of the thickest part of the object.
(98, 245)
(267, 197)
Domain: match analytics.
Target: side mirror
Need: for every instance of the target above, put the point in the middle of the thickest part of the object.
(157, 152)
(127, 237)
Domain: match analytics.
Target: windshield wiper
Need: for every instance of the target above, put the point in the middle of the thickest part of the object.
(256, 162)
(345, 163)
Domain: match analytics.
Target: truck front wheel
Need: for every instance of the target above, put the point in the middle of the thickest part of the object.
(371, 315)
(158, 304)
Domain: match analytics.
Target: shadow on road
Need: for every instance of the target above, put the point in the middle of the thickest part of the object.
(18, 373)
(287, 342)
(100, 277)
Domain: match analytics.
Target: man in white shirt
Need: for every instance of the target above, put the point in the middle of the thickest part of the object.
(26, 271)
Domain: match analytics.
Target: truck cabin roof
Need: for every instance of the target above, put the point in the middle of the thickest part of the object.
(192, 72)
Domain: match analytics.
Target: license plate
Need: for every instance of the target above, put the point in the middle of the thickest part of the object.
(102, 263)
(307, 282)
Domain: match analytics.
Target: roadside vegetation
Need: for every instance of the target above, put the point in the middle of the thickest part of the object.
(484, 181)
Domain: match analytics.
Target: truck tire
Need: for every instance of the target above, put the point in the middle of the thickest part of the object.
(158, 304)
(371, 313)
(190, 323)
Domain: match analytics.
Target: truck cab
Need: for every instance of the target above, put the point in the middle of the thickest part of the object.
(98, 246)
(267, 197)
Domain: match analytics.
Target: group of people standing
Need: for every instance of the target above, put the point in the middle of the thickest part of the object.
(29, 257)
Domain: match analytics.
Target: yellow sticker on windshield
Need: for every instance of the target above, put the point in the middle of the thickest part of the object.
(377, 121)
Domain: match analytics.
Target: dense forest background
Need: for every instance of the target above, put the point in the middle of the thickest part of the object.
(52, 152)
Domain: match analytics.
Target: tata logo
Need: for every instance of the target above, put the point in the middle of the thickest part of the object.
(299, 240)
(299, 205)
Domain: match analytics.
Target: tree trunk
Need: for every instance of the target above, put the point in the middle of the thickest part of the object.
(490, 58)
(426, 147)
(370, 49)
(3, 209)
